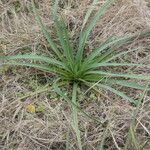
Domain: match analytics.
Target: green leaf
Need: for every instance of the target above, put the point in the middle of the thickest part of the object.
(34, 57)
(109, 74)
(116, 43)
(88, 14)
(92, 77)
(97, 52)
(66, 36)
(75, 116)
(102, 143)
(108, 54)
(84, 35)
(45, 68)
(59, 92)
(134, 138)
(119, 55)
(131, 134)
(125, 97)
(68, 144)
(96, 65)
(127, 84)
(55, 8)
(62, 33)
(37, 66)
(46, 34)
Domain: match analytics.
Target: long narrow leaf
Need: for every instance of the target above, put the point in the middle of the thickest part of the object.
(34, 57)
(45, 68)
(59, 31)
(62, 33)
(55, 9)
(131, 133)
(108, 54)
(67, 41)
(125, 97)
(117, 43)
(75, 116)
(88, 14)
(102, 143)
(46, 34)
(132, 76)
(59, 92)
(37, 66)
(128, 84)
(134, 138)
(93, 77)
(96, 65)
(97, 52)
(119, 55)
(84, 36)
(68, 144)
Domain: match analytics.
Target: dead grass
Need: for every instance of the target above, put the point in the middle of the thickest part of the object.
(48, 129)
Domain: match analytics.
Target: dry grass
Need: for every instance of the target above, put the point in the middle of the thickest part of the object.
(48, 129)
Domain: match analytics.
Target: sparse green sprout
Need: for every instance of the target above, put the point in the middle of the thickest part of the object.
(70, 66)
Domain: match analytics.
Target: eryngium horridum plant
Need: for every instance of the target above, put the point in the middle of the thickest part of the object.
(72, 66)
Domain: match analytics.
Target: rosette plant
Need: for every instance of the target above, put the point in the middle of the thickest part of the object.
(72, 66)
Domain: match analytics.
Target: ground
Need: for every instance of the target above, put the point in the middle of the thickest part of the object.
(50, 126)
